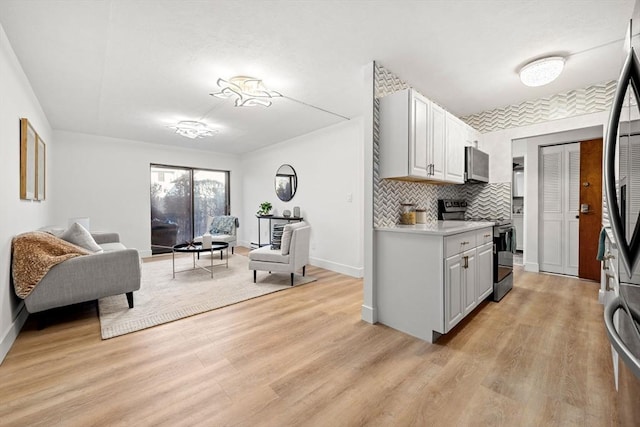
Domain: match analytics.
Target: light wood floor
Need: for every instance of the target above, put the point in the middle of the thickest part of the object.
(540, 357)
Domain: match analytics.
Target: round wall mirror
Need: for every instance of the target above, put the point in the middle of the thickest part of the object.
(286, 182)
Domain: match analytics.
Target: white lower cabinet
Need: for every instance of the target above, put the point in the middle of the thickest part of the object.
(484, 271)
(426, 284)
(468, 281)
(453, 285)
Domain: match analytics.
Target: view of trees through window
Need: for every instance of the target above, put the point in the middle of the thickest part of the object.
(182, 201)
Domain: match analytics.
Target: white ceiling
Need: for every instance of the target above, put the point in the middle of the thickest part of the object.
(127, 69)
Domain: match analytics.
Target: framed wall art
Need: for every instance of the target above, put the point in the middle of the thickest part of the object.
(41, 157)
(28, 144)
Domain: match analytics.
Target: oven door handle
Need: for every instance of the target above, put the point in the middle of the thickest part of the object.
(621, 348)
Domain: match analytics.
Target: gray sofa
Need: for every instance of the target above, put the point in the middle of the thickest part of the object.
(85, 278)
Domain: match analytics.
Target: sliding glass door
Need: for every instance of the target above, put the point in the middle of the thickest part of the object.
(182, 200)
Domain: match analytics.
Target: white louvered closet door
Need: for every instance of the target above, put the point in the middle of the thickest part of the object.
(559, 207)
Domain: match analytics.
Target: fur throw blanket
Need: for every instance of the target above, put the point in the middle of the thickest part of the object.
(34, 254)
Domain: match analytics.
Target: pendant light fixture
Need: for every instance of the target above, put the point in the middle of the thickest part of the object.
(542, 71)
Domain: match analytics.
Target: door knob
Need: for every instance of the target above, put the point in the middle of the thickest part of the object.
(577, 216)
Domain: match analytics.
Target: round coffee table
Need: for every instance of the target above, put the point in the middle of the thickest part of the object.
(196, 248)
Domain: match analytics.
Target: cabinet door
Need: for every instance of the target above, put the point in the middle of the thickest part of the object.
(454, 156)
(438, 137)
(484, 271)
(418, 136)
(471, 135)
(469, 280)
(453, 291)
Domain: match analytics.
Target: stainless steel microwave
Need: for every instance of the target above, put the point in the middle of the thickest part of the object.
(476, 165)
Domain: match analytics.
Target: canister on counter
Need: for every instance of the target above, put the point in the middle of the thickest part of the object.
(421, 216)
(407, 214)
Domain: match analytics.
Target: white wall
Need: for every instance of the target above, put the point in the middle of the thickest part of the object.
(499, 146)
(108, 180)
(329, 166)
(17, 100)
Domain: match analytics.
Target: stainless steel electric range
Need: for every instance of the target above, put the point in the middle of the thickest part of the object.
(504, 244)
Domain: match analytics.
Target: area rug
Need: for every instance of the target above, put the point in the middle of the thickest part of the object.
(162, 299)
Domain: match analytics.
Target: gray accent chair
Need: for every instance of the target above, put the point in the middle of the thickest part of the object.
(286, 259)
(222, 228)
(90, 277)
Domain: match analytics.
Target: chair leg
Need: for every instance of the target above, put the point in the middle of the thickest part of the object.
(303, 269)
(41, 320)
(291, 279)
(130, 299)
(254, 276)
(220, 253)
(232, 247)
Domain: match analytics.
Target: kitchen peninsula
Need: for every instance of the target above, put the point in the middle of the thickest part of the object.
(430, 276)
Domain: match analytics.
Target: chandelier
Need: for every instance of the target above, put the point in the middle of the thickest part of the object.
(247, 91)
(192, 129)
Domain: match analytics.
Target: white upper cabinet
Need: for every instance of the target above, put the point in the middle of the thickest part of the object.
(404, 135)
(418, 135)
(472, 136)
(438, 141)
(419, 140)
(454, 154)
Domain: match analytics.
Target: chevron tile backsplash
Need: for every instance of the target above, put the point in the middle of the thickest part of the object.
(483, 199)
(576, 102)
(488, 200)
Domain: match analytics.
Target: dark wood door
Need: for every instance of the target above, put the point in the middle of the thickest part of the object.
(591, 218)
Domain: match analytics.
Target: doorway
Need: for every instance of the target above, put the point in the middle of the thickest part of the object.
(571, 208)
(182, 201)
(560, 200)
(590, 208)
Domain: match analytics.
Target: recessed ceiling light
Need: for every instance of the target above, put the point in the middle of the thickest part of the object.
(542, 71)
(248, 91)
(192, 129)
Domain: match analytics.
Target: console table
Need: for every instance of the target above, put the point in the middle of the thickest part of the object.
(270, 218)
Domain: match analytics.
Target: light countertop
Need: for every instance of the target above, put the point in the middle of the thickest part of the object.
(437, 228)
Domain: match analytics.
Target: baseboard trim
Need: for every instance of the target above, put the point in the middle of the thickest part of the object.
(532, 266)
(357, 272)
(12, 332)
(144, 254)
(369, 314)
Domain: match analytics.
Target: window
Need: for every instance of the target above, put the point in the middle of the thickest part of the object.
(182, 200)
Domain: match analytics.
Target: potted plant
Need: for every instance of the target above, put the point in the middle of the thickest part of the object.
(265, 209)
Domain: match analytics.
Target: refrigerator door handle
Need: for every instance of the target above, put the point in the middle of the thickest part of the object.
(621, 348)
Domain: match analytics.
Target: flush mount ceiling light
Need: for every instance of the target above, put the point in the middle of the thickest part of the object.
(248, 91)
(193, 129)
(542, 71)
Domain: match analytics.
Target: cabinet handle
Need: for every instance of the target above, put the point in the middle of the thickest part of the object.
(464, 243)
(466, 261)
(487, 235)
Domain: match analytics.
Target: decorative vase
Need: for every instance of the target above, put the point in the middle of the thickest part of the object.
(286, 213)
(296, 211)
